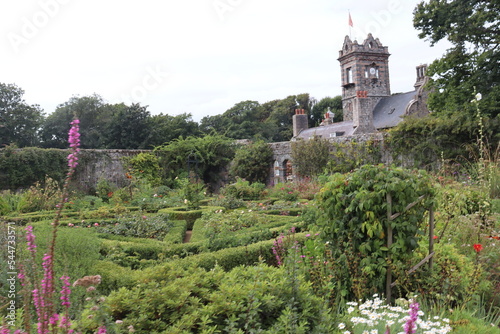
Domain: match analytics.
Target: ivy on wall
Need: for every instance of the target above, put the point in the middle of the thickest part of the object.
(21, 168)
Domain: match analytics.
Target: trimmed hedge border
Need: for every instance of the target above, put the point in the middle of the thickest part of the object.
(228, 259)
(177, 233)
(190, 216)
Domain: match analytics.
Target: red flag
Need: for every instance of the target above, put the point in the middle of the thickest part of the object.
(350, 20)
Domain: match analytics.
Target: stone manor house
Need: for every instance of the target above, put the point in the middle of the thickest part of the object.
(367, 103)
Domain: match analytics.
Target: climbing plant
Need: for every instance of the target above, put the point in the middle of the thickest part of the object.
(352, 217)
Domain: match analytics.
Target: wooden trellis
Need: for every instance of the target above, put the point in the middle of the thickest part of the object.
(429, 258)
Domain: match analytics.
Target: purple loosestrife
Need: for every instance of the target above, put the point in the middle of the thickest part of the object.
(74, 144)
(101, 330)
(30, 239)
(411, 324)
(65, 302)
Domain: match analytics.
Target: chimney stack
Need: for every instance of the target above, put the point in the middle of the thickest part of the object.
(300, 121)
(421, 76)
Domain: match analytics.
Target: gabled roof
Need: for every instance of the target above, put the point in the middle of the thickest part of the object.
(389, 110)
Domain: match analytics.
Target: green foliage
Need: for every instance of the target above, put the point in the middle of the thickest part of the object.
(94, 115)
(195, 301)
(252, 162)
(472, 28)
(77, 251)
(104, 190)
(346, 156)
(182, 213)
(310, 157)
(427, 140)
(129, 127)
(353, 220)
(332, 104)
(22, 168)
(141, 226)
(211, 153)
(285, 192)
(242, 189)
(193, 192)
(228, 202)
(177, 232)
(40, 197)
(220, 228)
(165, 128)
(145, 166)
(113, 276)
(132, 252)
(19, 122)
(453, 278)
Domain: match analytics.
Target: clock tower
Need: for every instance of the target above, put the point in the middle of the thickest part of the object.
(365, 80)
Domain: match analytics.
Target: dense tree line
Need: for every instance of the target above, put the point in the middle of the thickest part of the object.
(121, 126)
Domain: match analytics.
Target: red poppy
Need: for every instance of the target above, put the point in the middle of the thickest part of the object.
(478, 247)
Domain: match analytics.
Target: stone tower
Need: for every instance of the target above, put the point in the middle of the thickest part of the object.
(365, 80)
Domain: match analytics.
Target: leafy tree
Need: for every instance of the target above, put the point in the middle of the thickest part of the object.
(473, 28)
(281, 113)
(252, 162)
(94, 118)
(310, 157)
(19, 122)
(245, 120)
(129, 127)
(165, 128)
(319, 109)
(203, 157)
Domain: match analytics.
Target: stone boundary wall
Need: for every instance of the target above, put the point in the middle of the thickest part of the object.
(282, 169)
(102, 164)
(96, 164)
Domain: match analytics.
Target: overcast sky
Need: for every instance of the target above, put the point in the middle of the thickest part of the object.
(196, 56)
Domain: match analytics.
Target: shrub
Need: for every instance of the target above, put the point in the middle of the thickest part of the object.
(285, 192)
(242, 189)
(42, 196)
(104, 190)
(352, 218)
(196, 301)
(140, 226)
(113, 276)
(452, 280)
(252, 162)
(228, 202)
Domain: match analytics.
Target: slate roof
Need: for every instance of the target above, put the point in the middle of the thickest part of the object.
(324, 131)
(387, 114)
(390, 109)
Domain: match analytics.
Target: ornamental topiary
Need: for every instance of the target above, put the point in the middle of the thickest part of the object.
(353, 217)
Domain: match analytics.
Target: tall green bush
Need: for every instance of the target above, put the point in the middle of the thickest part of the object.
(353, 220)
(252, 162)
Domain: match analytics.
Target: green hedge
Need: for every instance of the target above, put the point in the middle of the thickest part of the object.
(228, 258)
(284, 212)
(177, 233)
(190, 216)
(21, 168)
(114, 276)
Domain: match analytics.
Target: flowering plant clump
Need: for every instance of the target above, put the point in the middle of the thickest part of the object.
(374, 316)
